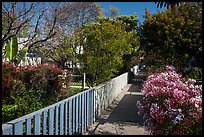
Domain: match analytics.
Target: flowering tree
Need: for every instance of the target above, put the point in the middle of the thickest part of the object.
(171, 106)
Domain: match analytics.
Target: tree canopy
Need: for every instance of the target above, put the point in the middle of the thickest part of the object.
(106, 42)
(172, 36)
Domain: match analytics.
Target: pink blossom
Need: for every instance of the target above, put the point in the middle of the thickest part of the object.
(166, 97)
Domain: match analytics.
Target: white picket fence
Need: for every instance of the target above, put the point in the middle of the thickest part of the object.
(70, 116)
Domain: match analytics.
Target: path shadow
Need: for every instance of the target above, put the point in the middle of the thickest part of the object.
(122, 112)
(125, 110)
(135, 88)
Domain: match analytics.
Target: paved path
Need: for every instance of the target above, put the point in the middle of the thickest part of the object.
(121, 117)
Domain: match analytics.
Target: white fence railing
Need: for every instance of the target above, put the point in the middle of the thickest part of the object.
(70, 116)
(107, 92)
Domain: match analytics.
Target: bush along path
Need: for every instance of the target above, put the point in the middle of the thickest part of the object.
(121, 117)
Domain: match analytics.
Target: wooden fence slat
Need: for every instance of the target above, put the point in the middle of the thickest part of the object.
(77, 114)
(56, 119)
(91, 113)
(70, 117)
(37, 124)
(51, 120)
(28, 126)
(18, 128)
(94, 105)
(88, 109)
(85, 111)
(74, 116)
(91, 98)
(44, 122)
(66, 111)
(82, 112)
(61, 119)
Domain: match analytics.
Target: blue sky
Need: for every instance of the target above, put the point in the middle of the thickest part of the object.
(129, 8)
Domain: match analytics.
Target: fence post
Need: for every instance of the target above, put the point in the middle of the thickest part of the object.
(83, 81)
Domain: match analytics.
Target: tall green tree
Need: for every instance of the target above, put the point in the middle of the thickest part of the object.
(105, 44)
(131, 25)
(172, 36)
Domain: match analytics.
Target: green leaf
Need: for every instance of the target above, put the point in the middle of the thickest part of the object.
(11, 48)
(21, 55)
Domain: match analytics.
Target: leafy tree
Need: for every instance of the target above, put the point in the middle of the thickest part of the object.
(172, 36)
(105, 44)
(131, 25)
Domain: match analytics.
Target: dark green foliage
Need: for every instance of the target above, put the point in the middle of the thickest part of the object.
(172, 36)
(130, 22)
(8, 112)
(131, 25)
(23, 102)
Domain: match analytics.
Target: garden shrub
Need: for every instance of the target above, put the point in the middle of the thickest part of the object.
(8, 74)
(10, 82)
(171, 106)
(24, 102)
(26, 89)
(8, 112)
(45, 79)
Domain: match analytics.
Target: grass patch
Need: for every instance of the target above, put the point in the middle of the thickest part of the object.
(73, 91)
(76, 84)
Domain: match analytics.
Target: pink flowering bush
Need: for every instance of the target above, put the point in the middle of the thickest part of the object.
(170, 105)
(45, 79)
(28, 88)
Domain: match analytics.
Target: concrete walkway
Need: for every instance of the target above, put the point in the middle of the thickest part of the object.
(121, 117)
